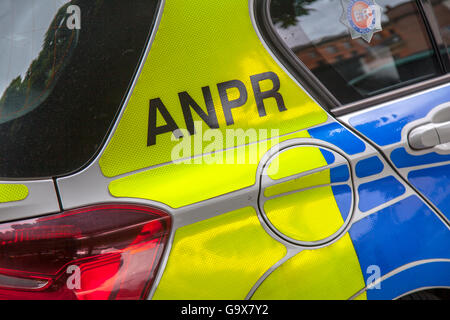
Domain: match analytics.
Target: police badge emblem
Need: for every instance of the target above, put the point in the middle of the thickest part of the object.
(361, 17)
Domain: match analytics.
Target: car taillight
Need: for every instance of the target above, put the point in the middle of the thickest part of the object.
(97, 252)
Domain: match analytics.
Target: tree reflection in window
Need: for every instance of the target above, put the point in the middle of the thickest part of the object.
(24, 95)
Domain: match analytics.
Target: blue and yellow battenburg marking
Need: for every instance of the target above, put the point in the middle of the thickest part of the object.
(429, 171)
(203, 50)
(412, 232)
(403, 233)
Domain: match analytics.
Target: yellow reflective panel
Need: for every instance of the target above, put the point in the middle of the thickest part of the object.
(198, 45)
(309, 215)
(332, 272)
(218, 258)
(362, 296)
(13, 192)
(181, 184)
(296, 160)
(308, 181)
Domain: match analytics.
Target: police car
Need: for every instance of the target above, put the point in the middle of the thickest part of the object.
(241, 149)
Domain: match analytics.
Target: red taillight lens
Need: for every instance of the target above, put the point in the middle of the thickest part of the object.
(98, 252)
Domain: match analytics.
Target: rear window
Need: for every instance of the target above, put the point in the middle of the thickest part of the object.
(65, 68)
(357, 48)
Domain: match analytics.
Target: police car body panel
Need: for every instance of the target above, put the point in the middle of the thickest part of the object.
(255, 190)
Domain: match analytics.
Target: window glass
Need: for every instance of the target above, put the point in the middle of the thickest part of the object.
(441, 10)
(65, 67)
(357, 48)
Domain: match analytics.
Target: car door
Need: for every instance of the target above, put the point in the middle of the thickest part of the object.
(358, 67)
(307, 230)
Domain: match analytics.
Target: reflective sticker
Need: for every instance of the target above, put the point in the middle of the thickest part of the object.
(206, 64)
(403, 159)
(362, 18)
(374, 193)
(362, 296)
(296, 160)
(434, 184)
(158, 184)
(402, 233)
(344, 197)
(340, 136)
(219, 258)
(426, 275)
(369, 167)
(309, 215)
(308, 181)
(332, 272)
(12, 192)
(339, 174)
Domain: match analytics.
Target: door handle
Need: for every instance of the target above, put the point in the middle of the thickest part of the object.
(429, 135)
